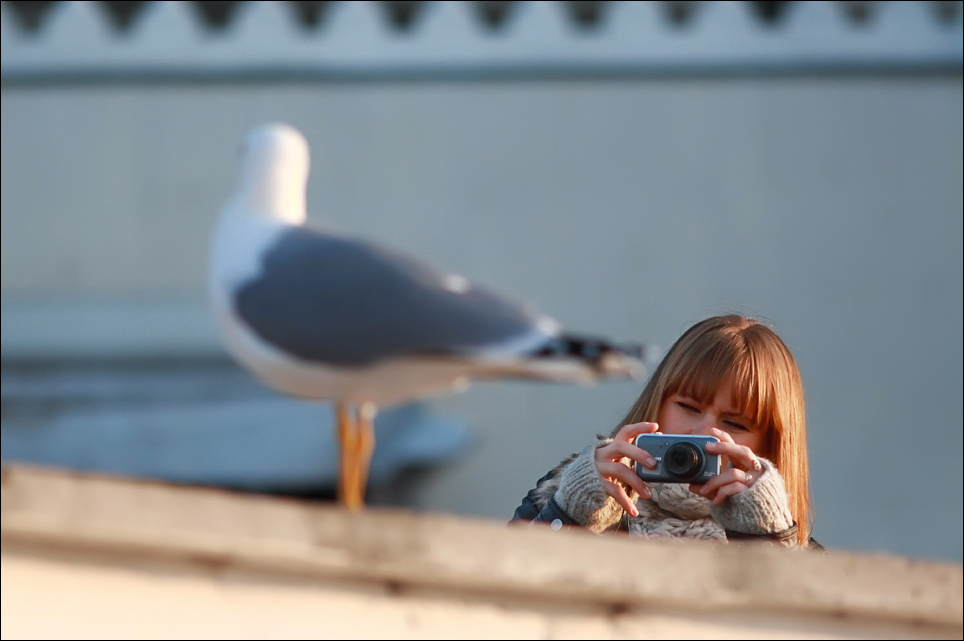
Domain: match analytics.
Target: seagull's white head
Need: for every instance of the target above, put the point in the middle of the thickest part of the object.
(274, 173)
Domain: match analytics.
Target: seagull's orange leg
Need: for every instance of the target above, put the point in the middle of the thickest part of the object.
(348, 457)
(365, 446)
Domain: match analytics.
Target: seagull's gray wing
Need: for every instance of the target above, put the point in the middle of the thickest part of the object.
(345, 302)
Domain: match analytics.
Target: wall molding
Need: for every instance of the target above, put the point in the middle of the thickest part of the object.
(78, 41)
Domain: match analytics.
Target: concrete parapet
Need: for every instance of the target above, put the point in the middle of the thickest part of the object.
(114, 557)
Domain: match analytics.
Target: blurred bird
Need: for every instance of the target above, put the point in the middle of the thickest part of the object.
(318, 315)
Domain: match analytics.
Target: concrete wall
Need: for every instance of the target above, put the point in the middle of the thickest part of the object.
(630, 207)
(98, 557)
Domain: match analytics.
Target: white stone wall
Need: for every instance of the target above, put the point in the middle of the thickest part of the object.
(88, 556)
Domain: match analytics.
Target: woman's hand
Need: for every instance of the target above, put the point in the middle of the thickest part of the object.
(744, 469)
(610, 466)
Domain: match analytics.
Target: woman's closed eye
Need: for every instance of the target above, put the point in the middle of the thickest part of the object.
(733, 425)
(688, 407)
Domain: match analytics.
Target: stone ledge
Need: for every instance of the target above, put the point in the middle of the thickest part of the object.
(57, 510)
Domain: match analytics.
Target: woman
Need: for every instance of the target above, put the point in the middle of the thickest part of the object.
(727, 376)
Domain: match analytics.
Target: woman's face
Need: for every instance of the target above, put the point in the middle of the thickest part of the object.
(681, 414)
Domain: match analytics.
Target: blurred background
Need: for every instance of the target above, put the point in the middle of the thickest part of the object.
(628, 167)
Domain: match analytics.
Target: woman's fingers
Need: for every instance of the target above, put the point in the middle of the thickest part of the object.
(727, 491)
(739, 455)
(617, 491)
(722, 486)
(722, 435)
(609, 460)
(621, 449)
(631, 430)
(732, 475)
(616, 471)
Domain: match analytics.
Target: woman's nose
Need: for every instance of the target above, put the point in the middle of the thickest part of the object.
(704, 427)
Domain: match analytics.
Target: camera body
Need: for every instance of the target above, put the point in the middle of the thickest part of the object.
(680, 458)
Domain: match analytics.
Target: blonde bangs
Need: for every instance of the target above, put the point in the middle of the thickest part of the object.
(699, 372)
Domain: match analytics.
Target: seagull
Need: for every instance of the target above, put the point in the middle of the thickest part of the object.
(320, 315)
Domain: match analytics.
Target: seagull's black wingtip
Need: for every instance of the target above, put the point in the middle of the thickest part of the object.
(588, 349)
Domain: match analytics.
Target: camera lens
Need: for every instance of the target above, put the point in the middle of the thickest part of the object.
(683, 461)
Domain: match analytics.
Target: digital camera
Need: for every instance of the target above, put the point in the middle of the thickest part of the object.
(679, 458)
